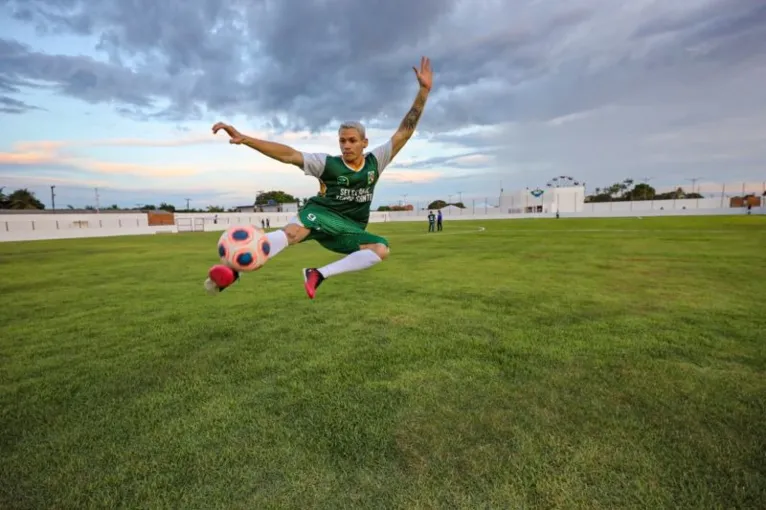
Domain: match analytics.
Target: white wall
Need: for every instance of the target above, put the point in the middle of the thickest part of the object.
(24, 227)
(47, 222)
(657, 205)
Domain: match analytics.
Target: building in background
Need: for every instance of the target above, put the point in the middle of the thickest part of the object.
(564, 199)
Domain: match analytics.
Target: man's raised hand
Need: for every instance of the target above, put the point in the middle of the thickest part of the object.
(424, 74)
(234, 135)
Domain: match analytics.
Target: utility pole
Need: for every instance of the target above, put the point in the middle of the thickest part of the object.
(694, 183)
(187, 203)
(53, 198)
(98, 207)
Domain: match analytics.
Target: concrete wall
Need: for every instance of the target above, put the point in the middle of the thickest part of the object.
(24, 227)
(32, 226)
(705, 206)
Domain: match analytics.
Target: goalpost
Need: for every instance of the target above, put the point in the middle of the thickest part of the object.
(190, 224)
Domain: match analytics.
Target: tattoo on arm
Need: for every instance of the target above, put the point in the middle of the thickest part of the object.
(410, 121)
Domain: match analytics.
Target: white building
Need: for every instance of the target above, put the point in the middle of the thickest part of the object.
(543, 200)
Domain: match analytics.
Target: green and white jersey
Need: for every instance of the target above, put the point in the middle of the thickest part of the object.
(343, 189)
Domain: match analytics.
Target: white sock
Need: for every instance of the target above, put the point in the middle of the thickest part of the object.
(278, 242)
(356, 261)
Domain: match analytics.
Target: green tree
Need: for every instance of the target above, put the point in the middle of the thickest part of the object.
(642, 191)
(437, 204)
(278, 196)
(23, 199)
(164, 206)
(4, 203)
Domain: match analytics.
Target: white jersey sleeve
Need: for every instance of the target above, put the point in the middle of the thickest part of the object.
(313, 163)
(383, 154)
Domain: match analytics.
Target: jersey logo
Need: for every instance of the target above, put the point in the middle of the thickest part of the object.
(343, 180)
(370, 177)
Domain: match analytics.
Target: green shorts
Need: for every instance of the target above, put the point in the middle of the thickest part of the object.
(335, 232)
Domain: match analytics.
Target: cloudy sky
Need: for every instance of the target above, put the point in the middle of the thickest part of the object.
(121, 94)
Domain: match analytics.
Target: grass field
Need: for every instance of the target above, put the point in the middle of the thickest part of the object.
(536, 364)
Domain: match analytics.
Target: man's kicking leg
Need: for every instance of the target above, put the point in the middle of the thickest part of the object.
(221, 277)
(367, 255)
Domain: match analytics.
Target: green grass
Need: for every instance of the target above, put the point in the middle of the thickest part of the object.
(537, 364)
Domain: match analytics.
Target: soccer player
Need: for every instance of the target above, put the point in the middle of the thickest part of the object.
(337, 216)
(431, 220)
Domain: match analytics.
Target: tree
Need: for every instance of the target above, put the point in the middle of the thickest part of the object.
(3, 199)
(164, 206)
(277, 196)
(642, 192)
(437, 204)
(23, 199)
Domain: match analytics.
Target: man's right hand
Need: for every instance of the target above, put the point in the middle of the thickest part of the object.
(234, 135)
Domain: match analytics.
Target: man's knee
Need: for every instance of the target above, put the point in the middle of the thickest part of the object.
(295, 233)
(380, 249)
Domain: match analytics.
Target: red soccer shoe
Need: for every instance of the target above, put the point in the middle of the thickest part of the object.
(219, 277)
(312, 278)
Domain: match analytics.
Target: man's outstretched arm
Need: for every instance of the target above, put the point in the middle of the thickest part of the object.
(410, 121)
(274, 150)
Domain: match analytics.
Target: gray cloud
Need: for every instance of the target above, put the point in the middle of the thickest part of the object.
(10, 105)
(580, 86)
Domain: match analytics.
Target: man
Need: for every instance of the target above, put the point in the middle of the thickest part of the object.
(431, 221)
(337, 216)
(439, 220)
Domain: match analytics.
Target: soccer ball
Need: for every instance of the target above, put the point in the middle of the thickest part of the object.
(244, 248)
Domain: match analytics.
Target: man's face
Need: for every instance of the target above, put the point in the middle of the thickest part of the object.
(352, 145)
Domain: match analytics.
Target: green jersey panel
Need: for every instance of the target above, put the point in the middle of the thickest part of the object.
(345, 190)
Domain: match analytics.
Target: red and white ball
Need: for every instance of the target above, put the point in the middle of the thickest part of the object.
(244, 248)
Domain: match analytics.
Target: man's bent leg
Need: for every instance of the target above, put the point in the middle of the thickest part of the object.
(363, 250)
(367, 256)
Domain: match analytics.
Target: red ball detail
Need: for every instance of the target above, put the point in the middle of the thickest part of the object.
(221, 275)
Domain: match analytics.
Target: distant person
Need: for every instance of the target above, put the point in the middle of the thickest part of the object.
(431, 220)
(268, 223)
(439, 221)
(263, 223)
